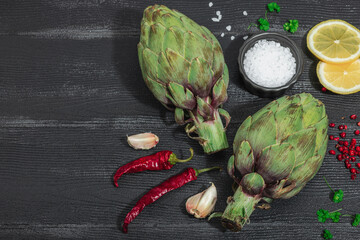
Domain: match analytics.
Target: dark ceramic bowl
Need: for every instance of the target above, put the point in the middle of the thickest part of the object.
(285, 42)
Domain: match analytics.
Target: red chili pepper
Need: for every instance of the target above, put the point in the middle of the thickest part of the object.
(163, 160)
(190, 174)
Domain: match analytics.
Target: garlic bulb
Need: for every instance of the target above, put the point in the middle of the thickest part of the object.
(203, 203)
(143, 141)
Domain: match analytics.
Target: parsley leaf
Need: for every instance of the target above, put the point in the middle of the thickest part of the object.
(335, 216)
(323, 215)
(338, 196)
(273, 6)
(263, 24)
(291, 25)
(356, 221)
(327, 234)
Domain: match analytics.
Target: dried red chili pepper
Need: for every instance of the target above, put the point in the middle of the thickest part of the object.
(163, 160)
(190, 174)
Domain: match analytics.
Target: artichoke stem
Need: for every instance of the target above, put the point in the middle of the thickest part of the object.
(212, 135)
(239, 209)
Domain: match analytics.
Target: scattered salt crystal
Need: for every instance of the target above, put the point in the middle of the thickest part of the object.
(218, 13)
(245, 13)
(222, 34)
(232, 38)
(269, 64)
(215, 20)
(210, 4)
(228, 28)
(245, 37)
(220, 17)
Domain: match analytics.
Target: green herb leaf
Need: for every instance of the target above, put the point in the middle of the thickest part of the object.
(327, 234)
(273, 6)
(338, 196)
(263, 24)
(291, 26)
(335, 216)
(356, 221)
(323, 215)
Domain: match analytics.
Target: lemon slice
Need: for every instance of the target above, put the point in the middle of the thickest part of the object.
(340, 78)
(334, 41)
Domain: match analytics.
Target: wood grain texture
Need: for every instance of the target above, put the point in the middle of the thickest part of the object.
(71, 90)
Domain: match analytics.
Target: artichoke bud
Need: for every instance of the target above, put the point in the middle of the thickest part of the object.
(203, 203)
(182, 62)
(277, 151)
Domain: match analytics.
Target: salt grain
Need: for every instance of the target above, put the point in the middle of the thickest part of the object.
(215, 20)
(232, 38)
(245, 37)
(269, 64)
(218, 13)
(222, 34)
(210, 4)
(228, 28)
(245, 13)
(220, 17)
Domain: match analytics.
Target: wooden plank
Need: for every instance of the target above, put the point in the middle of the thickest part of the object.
(71, 90)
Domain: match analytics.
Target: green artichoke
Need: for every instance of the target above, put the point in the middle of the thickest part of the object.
(277, 151)
(182, 63)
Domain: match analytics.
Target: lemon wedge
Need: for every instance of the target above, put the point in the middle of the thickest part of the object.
(340, 78)
(334, 41)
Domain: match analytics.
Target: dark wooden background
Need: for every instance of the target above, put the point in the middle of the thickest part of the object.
(71, 90)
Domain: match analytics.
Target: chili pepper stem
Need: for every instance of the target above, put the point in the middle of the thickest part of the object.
(198, 171)
(347, 215)
(328, 185)
(266, 15)
(173, 159)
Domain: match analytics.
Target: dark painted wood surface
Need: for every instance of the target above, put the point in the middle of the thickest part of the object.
(71, 90)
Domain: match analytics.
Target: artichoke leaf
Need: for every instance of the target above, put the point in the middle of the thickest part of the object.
(181, 97)
(231, 169)
(179, 116)
(303, 142)
(159, 90)
(169, 19)
(225, 115)
(218, 62)
(288, 121)
(244, 158)
(305, 172)
(174, 39)
(313, 113)
(179, 67)
(200, 77)
(203, 108)
(321, 136)
(242, 133)
(197, 47)
(156, 37)
(252, 184)
(145, 32)
(262, 132)
(276, 162)
(150, 62)
(293, 192)
(219, 93)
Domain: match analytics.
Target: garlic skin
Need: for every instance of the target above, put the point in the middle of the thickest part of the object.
(203, 203)
(143, 141)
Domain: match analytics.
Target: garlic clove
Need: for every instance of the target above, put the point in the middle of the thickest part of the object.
(143, 141)
(203, 203)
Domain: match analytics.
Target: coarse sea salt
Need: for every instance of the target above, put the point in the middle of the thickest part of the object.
(269, 64)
